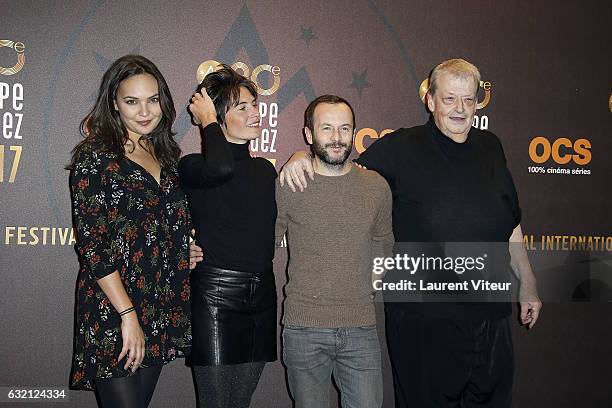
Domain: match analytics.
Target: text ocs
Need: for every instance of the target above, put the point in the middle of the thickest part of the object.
(561, 150)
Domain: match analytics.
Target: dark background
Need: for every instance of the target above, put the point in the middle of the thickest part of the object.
(549, 66)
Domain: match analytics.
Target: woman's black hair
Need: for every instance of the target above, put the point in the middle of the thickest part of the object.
(223, 87)
(103, 128)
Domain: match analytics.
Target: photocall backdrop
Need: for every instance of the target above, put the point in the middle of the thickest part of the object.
(545, 92)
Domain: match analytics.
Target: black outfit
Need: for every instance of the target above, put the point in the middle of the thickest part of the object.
(134, 391)
(449, 362)
(233, 208)
(445, 191)
(234, 316)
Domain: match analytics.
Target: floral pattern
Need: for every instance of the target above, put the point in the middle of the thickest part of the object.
(127, 222)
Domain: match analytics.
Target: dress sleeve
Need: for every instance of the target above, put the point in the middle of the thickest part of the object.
(380, 157)
(214, 166)
(88, 186)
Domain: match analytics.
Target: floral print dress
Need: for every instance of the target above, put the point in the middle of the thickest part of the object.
(127, 222)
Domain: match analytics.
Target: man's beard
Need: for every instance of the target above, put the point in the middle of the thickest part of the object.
(324, 156)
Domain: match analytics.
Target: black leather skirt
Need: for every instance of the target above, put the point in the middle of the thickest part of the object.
(233, 316)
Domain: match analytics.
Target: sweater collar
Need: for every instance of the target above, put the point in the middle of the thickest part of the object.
(240, 151)
(338, 179)
(442, 138)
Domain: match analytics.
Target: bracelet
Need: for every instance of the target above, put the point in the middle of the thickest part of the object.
(126, 311)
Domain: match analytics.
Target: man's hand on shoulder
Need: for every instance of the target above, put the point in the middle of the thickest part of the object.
(294, 171)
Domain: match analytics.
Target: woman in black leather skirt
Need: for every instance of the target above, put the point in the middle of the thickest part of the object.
(231, 197)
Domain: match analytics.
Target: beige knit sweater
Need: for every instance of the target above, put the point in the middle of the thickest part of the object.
(334, 229)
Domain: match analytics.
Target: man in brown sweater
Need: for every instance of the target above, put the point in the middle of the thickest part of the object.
(450, 183)
(334, 230)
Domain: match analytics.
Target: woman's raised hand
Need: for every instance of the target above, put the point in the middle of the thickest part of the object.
(202, 108)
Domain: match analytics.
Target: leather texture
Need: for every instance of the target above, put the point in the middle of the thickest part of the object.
(234, 316)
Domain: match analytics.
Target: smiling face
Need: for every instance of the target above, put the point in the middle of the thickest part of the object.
(453, 105)
(242, 120)
(137, 102)
(332, 133)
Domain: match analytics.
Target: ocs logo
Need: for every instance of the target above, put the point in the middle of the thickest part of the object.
(19, 48)
(486, 87)
(369, 133)
(209, 66)
(561, 150)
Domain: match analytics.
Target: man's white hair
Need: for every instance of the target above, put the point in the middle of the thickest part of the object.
(456, 67)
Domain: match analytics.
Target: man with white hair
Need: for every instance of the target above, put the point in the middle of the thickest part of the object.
(450, 183)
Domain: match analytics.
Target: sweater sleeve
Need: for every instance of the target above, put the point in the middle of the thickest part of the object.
(281, 216)
(214, 166)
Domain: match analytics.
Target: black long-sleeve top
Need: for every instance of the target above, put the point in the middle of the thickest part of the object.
(444, 191)
(231, 197)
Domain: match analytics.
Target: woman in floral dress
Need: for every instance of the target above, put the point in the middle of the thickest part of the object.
(132, 223)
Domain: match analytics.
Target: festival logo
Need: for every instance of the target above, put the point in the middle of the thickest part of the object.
(19, 48)
(39, 235)
(209, 66)
(11, 114)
